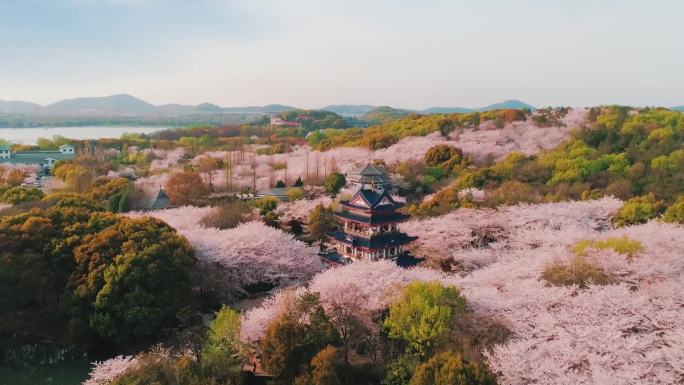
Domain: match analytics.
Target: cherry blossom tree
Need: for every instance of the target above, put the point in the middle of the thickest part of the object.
(248, 254)
(104, 372)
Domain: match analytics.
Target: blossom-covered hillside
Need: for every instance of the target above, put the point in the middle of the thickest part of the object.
(627, 332)
(483, 141)
(248, 254)
(630, 332)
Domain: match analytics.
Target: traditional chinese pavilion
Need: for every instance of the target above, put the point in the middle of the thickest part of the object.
(371, 175)
(370, 229)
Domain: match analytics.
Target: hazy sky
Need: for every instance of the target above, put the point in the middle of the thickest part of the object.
(412, 54)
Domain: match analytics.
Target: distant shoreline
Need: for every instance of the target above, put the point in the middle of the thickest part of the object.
(30, 135)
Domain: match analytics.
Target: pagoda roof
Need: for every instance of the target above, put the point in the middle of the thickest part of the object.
(162, 201)
(369, 199)
(378, 242)
(372, 220)
(369, 174)
(369, 169)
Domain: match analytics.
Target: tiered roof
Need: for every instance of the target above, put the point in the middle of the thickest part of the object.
(161, 202)
(369, 174)
(371, 200)
(372, 208)
(376, 242)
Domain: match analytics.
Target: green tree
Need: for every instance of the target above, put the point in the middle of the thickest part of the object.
(401, 370)
(92, 272)
(298, 182)
(321, 220)
(220, 355)
(16, 195)
(639, 210)
(441, 153)
(448, 368)
(293, 339)
(422, 315)
(142, 278)
(325, 368)
(334, 182)
(675, 213)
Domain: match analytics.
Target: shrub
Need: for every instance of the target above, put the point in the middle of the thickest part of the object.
(451, 368)
(217, 363)
(228, 216)
(675, 213)
(266, 204)
(17, 195)
(639, 210)
(623, 245)
(186, 188)
(325, 369)
(375, 139)
(578, 271)
(296, 337)
(71, 199)
(321, 220)
(513, 192)
(295, 194)
(441, 153)
(334, 182)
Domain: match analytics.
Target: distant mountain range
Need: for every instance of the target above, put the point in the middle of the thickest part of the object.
(125, 105)
(363, 109)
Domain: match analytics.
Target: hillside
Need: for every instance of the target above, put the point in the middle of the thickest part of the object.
(384, 114)
(507, 104)
(125, 105)
(350, 109)
(18, 107)
(114, 104)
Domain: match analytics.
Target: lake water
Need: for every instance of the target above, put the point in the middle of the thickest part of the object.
(43, 364)
(31, 135)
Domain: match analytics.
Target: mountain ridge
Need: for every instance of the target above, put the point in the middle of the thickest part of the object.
(129, 105)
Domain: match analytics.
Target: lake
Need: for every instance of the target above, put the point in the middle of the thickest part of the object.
(43, 364)
(31, 135)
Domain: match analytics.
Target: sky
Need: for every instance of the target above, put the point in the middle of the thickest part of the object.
(306, 53)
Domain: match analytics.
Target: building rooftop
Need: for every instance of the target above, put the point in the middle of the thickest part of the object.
(366, 198)
(369, 174)
(35, 157)
(372, 220)
(5, 147)
(162, 201)
(278, 192)
(368, 169)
